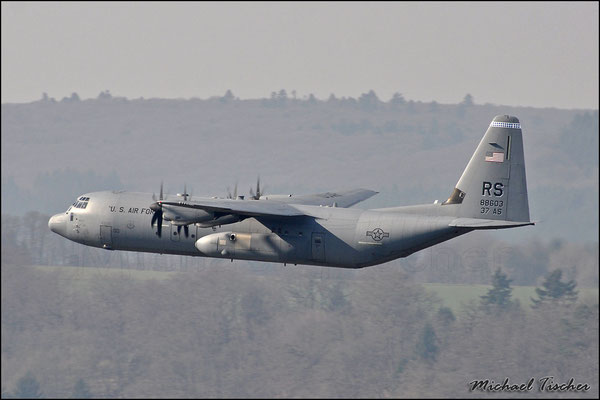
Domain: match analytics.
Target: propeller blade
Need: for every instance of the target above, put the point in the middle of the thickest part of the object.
(186, 230)
(159, 230)
(256, 196)
(157, 218)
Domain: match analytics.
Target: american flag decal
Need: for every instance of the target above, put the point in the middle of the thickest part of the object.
(494, 157)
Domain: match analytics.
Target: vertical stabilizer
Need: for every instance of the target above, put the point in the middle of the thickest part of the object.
(493, 186)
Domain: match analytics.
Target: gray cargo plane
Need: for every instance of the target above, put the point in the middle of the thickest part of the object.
(314, 229)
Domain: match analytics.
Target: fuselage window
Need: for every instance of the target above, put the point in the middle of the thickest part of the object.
(71, 217)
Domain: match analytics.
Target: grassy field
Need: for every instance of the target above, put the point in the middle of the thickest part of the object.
(455, 295)
(452, 295)
(85, 273)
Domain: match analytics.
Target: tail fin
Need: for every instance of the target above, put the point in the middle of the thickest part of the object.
(493, 186)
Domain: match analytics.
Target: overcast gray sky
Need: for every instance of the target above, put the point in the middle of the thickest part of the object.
(529, 54)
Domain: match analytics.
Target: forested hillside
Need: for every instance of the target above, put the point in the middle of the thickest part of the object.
(411, 152)
(229, 332)
(85, 322)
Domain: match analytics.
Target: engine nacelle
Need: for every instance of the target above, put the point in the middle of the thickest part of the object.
(222, 220)
(247, 246)
(180, 215)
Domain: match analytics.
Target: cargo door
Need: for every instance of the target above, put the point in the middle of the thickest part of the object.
(106, 236)
(318, 246)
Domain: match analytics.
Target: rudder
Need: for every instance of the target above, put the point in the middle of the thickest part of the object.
(493, 185)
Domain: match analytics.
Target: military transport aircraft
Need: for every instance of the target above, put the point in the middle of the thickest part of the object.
(314, 229)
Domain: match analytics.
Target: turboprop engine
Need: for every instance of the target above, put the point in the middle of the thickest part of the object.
(181, 216)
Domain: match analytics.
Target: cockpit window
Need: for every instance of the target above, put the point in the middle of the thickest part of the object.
(81, 202)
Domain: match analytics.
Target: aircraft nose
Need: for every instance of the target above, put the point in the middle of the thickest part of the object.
(58, 224)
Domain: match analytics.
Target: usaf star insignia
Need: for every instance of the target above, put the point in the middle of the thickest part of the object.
(377, 234)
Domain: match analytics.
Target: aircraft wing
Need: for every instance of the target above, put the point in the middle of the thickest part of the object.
(247, 208)
(213, 211)
(344, 199)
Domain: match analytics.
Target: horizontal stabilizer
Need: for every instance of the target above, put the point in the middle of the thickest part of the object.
(476, 223)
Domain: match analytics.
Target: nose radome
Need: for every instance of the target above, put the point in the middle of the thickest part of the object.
(58, 224)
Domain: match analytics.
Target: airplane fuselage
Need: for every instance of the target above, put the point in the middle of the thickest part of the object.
(330, 236)
(490, 194)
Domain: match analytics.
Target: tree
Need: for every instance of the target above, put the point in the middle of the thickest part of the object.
(28, 387)
(368, 101)
(81, 390)
(468, 100)
(105, 95)
(427, 347)
(397, 99)
(555, 290)
(445, 316)
(499, 294)
(282, 98)
(228, 97)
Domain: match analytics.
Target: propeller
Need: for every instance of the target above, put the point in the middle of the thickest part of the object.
(234, 195)
(157, 207)
(258, 192)
(161, 193)
(158, 212)
(185, 194)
